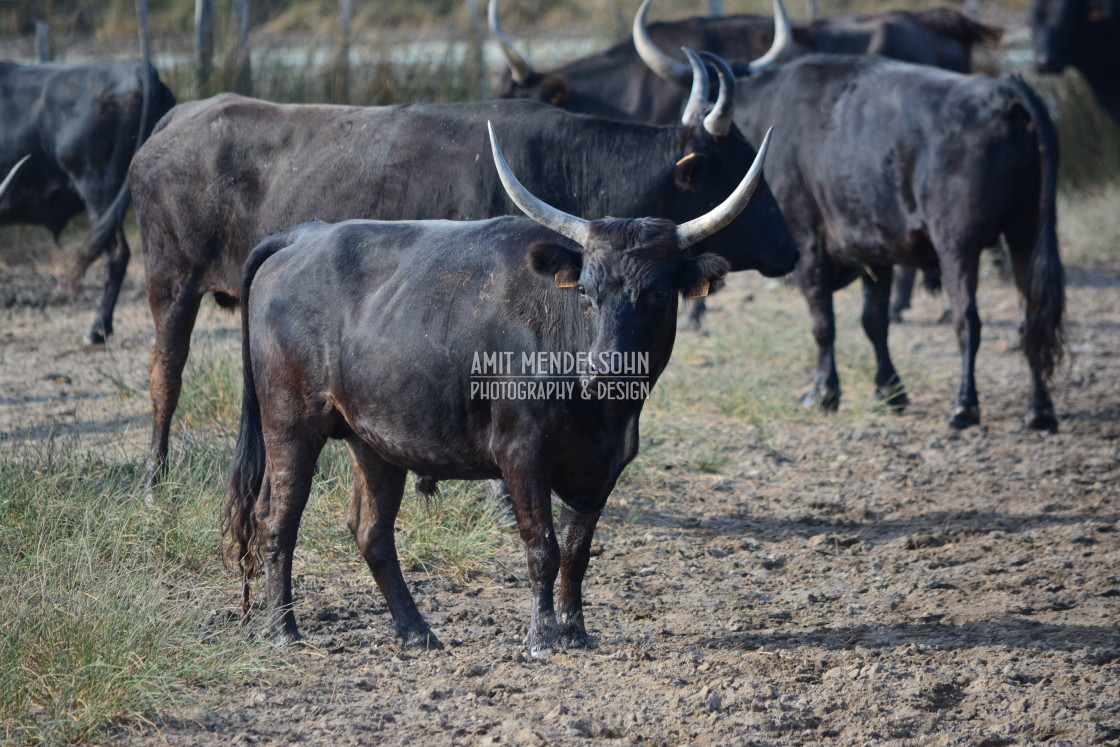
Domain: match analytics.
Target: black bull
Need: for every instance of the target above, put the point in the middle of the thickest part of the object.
(618, 83)
(221, 174)
(882, 162)
(368, 332)
(81, 124)
(1086, 35)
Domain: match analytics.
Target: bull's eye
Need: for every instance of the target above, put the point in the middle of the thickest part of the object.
(582, 291)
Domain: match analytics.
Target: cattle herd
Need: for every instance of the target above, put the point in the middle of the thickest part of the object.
(885, 151)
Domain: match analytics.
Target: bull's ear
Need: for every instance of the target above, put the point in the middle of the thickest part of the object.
(702, 275)
(559, 262)
(555, 90)
(687, 170)
(1099, 10)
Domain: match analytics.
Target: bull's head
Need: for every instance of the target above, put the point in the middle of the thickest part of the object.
(628, 272)
(676, 72)
(524, 82)
(1059, 26)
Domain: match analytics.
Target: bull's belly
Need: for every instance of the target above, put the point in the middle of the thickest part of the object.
(444, 450)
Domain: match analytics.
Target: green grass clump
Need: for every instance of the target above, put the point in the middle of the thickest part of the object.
(211, 394)
(108, 601)
(455, 532)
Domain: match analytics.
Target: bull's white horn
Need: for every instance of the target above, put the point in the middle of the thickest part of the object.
(664, 66)
(783, 39)
(519, 67)
(718, 121)
(574, 228)
(698, 96)
(11, 177)
(701, 228)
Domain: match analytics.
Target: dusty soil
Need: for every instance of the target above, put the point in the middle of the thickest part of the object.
(844, 581)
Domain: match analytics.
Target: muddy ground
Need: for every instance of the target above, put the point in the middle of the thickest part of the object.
(842, 580)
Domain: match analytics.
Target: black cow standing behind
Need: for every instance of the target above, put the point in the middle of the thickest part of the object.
(81, 124)
(368, 331)
(627, 80)
(1086, 35)
(223, 173)
(888, 163)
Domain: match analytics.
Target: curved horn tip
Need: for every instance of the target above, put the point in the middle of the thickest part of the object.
(6, 184)
(783, 40)
(570, 226)
(698, 95)
(719, 119)
(662, 65)
(519, 67)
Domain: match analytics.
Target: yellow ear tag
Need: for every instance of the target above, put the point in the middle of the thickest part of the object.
(700, 289)
(564, 280)
(689, 157)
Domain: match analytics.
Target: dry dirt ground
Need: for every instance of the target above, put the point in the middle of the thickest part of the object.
(842, 580)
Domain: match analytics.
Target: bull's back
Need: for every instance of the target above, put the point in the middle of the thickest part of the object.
(877, 145)
(221, 174)
(383, 319)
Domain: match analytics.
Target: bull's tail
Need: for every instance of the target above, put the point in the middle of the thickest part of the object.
(956, 25)
(246, 470)
(101, 234)
(1045, 282)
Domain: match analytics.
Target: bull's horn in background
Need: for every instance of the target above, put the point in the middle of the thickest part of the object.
(701, 228)
(698, 96)
(718, 121)
(11, 177)
(519, 68)
(783, 40)
(660, 63)
(574, 228)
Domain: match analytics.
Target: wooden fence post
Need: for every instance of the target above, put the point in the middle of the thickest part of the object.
(243, 66)
(203, 42)
(43, 41)
(142, 23)
(476, 60)
(341, 74)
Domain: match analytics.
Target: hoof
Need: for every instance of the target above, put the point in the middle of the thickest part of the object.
(893, 397)
(423, 639)
(828, 401)
(94, 338)
(896, 317)
(578, 639)
(965, 417)
(282, 636)
(1044, 420)
(946, 317)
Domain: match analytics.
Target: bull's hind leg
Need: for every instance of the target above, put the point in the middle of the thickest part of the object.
(576, 532)
(1042, 416)
(292, 454)
(959, 269)
(378, 487)
(903, 292)
(174, 309)
(876, 322)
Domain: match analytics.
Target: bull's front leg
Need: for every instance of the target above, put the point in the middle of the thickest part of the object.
(576, 532)
(532, 507)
